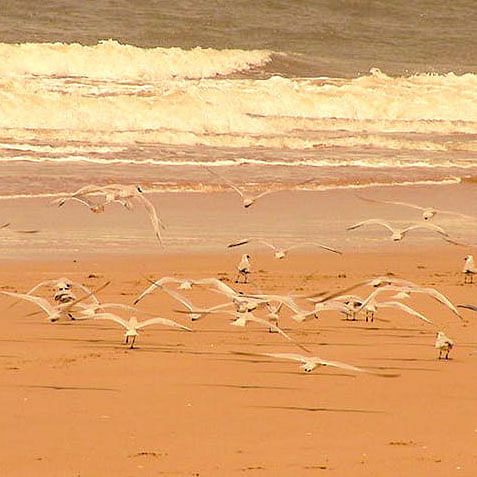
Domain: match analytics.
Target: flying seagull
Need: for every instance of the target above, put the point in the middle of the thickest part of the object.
(281, 253)
(398, 234)
(427, 212)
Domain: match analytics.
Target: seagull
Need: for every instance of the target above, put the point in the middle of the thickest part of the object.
(132, 325)
(398, 234)
(350, 305)
(241, 319)
(54, 312)
(247, 199)
(243, 268)
(427, 212)
(309, 363)
(124, 194)
(194, 313)
(383, 281)
(443, 344)
(281, 253)
(319, 307)
(63, 290)
(274, 313)
(183, 285)
(372, 306)
(415, 289)
(469, 269)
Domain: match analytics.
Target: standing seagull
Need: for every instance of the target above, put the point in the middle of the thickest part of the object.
(398, 234)
(443, 344)
(469, 269)
(243, 268)
(281, 253)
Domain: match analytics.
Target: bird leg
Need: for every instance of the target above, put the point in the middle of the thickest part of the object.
(127, 340)
(132, 342)
(447, 354)
(440, 354)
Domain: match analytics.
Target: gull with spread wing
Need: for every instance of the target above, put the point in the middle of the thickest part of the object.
(132, 325)
(427, 291)
(183, 285)
(427, 212)
(309, 363)
(124, 194)
(398, 234)
(281, 253)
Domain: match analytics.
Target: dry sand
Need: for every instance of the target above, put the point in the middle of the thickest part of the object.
(77, 402)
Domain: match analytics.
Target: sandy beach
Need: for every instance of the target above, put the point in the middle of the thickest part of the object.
(77, 402)
(348, 124)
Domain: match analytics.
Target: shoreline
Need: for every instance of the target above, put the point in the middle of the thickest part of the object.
(206, 223)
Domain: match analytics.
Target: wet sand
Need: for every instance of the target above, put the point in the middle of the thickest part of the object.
(77, 402)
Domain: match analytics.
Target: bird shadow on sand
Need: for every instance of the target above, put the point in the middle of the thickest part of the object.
(400, 368)
(61, 388)
(242, 386)
(321, 409)
(410, 360)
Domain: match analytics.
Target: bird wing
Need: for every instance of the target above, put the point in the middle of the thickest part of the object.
(156, 223)
(457, 214)
(403, 307)
(469, 307)
(256, 319)
(391, 202)
(339, 364)
(371, 222)
(441, 298)
(432, 227)
(179, 298)
(120, 306)
(111, 317)
(146, 292)
(31, 291)
(230, 183)
(221, 287)
(41, 302)
(292, 356)
(306, 359)
(85, 290)
(264, 193)
(314, 244)
(162, 321)
(155, 284)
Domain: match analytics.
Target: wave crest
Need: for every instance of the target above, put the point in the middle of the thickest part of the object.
(113, 60)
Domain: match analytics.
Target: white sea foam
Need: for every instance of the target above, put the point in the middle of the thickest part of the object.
(112, 60)
(371, 163)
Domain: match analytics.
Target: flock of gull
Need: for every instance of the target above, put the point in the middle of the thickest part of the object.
(74, 301)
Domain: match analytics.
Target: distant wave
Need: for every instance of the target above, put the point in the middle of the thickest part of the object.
(110, 59)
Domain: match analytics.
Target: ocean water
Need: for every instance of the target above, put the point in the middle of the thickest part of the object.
(268, 94)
